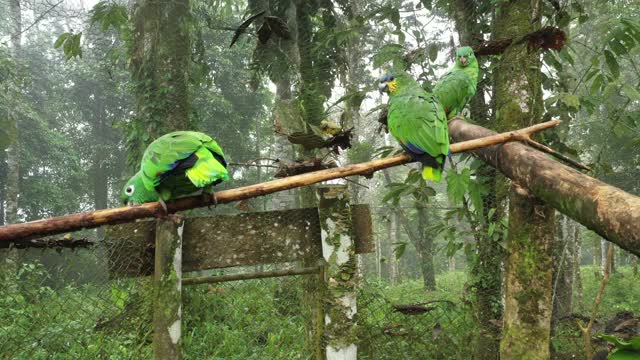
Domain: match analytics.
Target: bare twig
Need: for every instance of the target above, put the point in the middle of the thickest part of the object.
(586, 330)
(40, 17)
(544, 148)
(253, 164)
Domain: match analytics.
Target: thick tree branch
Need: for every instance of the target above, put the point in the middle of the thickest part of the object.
(605, 209)
(98, 218)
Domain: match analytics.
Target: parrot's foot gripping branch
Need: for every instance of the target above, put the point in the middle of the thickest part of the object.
(164, 207)
(206, 197)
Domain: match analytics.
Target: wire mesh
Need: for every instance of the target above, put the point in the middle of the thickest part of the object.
(62, 303)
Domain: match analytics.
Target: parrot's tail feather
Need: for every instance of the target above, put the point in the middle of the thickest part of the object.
(433, 174)
(206, 170)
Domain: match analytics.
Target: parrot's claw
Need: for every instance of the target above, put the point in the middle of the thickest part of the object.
(206, 197)
(164, 208)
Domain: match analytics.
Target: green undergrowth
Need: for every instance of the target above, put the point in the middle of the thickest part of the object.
(258, 319)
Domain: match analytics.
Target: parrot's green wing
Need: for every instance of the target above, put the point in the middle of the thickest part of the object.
(454, 91)
(419, 123)
(183, 152)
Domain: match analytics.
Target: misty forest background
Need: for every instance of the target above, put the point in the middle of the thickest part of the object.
(84, 87)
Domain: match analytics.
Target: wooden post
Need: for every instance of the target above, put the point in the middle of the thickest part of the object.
(167, 282)
(338, 250)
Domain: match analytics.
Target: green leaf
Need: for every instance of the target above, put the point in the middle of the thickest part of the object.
(457, 185)
(399, 249)
(583, 19)
(571, 100)
(8, 132)
(630, 92)
(564, 55)
(612, 64)
(433, 52)
(477, 190)
(624, 355)
(61, 39)
(387, 53)
(597, 84)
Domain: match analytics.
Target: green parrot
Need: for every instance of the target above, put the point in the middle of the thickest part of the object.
(417, 120)
(457, 87)
(174, 165)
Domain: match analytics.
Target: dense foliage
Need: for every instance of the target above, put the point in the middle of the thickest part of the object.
(82, 94)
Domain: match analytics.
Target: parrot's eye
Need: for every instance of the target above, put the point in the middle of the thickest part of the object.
(129, 190)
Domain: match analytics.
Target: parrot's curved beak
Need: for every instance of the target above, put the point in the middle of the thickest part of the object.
(383, 87)
(464, 60)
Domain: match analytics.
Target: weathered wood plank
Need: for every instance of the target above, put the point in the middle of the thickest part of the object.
(231, 240)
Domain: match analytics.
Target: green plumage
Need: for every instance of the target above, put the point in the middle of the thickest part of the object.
(458, 86)
(174, 165)
(418, 122)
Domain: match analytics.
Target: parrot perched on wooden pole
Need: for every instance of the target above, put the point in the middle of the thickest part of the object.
(177, 164)
(458, 86)
(417, 120)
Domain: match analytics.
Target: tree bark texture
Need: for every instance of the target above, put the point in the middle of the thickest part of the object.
(160, 61)
(167, 281)
(424, 247)
(485, 268)
(528, 278)
(12, 188)
(563, 257)
(339, 254)
(529, 269)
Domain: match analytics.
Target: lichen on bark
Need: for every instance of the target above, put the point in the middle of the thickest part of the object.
(339, 253)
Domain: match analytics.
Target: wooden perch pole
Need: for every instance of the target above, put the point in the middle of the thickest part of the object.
(605, 209)
(92, 219)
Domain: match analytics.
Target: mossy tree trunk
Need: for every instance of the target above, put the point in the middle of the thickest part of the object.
(563, 269)
(577, 275)
(424, 247)
(528, 278)
(167, 281)
(338, 250)
(486, 268)
(528, 285)
(160, 63)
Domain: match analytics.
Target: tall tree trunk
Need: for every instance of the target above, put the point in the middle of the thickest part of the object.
(160, 63)
(485, 269)
(12, 189)
(12, 180)
(528, 279)
(596, 255)
(577, 275)
(424, 246)
(604, 247)
(98, 170)
(286, 119)
(391, 256)
(528, 285)
(562, 270)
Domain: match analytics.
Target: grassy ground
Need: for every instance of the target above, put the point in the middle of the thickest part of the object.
(257, 319)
